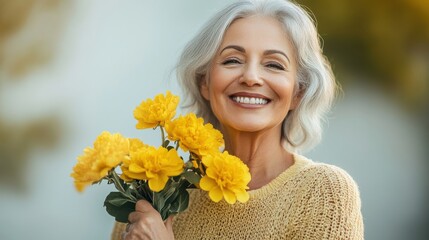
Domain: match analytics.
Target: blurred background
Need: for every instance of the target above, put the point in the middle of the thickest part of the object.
(71, 69)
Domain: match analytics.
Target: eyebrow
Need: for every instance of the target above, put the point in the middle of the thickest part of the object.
(238, 48)
(272, 51)
(266, 52)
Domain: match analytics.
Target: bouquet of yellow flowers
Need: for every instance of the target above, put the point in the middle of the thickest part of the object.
(159, 174)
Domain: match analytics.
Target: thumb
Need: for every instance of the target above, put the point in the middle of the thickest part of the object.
(169, 223)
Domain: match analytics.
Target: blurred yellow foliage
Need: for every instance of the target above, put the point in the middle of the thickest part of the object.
(17, 142)
(383, 41)
(29, 31)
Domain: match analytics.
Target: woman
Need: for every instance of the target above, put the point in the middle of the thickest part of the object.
(256, 71)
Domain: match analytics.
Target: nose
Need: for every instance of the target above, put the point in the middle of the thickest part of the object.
(251, 75)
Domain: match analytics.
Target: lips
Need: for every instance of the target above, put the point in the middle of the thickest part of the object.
(250, 98)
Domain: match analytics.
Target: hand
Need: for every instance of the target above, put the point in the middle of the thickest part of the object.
(146, 223)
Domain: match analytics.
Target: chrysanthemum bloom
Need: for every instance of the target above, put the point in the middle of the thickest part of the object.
(82, 172)
(194, 135)
(136, 144)
(151, 113)
(95, 163)
(226, 177)
(153, 164)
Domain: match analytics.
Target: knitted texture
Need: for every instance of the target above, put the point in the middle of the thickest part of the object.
(307, 201)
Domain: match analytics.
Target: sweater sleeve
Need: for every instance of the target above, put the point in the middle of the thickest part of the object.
(331, 207)
(117, 231)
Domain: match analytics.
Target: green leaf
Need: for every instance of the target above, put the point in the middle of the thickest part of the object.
(166, 143)
(161, 196)
(119, 201)
(145, 192)
(119, 206)
(192, 177)
(169, 189)
(181, 203)
(169, 148)
(165, 200)
(189, 164)
(173, 199)
(178, 201)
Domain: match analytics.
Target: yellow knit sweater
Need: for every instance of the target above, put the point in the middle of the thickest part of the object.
(307, 201)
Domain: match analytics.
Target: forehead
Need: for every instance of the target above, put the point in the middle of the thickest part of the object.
(257, 32)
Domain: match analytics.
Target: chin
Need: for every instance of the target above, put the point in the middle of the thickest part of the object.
(249, 126)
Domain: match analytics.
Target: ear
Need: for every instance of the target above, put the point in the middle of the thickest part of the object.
(296, 99)
(204, 89)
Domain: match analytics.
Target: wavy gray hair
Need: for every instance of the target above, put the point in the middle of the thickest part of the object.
(302, 127)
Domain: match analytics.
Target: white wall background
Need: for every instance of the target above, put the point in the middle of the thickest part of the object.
(114, 54)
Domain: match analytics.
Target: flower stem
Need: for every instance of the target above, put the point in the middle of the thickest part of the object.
(162, 136)
(155, 201)
(134, 185)
(118, 186)
(117, 182)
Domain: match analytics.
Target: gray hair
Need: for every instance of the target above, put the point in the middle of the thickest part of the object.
(302, 127)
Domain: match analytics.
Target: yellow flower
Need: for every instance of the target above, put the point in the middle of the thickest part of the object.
(226, 177)
(151, 113)
(136, 144)
(95, 163)
(154, 165)
(194, 135)
(82, 172)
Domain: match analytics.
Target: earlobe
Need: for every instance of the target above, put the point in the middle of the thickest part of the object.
(204, 89)
(296, 100)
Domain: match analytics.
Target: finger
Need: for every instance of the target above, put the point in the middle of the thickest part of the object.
(169, 223)
(134, 217)
(149, 216)
(144, 206)
(123, 235)
(128, 227)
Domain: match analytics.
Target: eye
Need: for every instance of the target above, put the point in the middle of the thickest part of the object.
(276, 66)
(231, 61)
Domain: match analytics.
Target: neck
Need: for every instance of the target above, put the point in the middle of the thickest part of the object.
(261, 151)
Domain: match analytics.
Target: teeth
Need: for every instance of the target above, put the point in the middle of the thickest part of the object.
(251, 100)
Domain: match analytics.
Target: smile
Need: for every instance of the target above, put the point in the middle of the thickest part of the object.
(250, 100)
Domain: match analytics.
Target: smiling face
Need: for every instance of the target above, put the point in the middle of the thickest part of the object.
(252, 77)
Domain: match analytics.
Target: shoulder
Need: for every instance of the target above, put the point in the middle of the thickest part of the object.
(328, 181)
(329, 202)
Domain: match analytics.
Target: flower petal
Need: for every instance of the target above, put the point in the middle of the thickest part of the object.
(158, 183)
(242, 196)
(144, 125)
(211, 172)
(229, 196)
(207, 183)
(153, 112)
(136, 168)
(215, 194)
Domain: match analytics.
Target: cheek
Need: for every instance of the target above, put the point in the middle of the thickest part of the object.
(284, 88)
(217, 86)
(219, 80)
